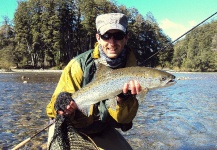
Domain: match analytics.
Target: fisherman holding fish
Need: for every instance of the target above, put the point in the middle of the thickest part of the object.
(110, 50)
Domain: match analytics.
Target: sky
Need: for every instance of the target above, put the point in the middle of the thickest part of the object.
(175, 17)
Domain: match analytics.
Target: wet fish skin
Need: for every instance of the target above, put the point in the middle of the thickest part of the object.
(109, 82)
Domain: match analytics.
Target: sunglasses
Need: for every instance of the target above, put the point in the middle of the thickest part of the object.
(116, 36)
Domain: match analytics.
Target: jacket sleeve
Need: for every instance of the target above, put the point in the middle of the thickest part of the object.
(125, 112)
(70, 81)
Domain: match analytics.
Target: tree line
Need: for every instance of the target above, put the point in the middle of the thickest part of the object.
(198, 50)
(49, 33)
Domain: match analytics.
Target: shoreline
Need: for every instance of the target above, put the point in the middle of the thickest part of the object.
(29, 71)
(60, 71)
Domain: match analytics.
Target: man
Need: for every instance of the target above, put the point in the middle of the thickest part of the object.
(111, 51)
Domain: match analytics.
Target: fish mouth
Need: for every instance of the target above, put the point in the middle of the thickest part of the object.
(171, 81)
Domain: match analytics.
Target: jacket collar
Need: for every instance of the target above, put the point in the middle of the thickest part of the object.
(95, 53)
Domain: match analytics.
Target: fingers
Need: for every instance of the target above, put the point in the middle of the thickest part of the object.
(126, 88)
(60, 112)
(69, 109)
(72, 106)
(133, 85)
(137, 87)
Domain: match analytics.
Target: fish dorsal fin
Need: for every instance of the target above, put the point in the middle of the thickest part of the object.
(102, 70)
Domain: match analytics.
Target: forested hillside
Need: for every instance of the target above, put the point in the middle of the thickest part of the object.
(198, 50)
(50, 33)
(47, 34)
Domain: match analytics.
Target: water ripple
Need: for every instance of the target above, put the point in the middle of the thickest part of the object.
(183, 116)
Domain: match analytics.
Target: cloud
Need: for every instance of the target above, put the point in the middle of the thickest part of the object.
(175, 30)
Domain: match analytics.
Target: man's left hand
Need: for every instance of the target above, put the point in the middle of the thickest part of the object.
(134, 86)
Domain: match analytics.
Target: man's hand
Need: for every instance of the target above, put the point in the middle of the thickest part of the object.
(69, 109)
(133, 86)
(64, 104)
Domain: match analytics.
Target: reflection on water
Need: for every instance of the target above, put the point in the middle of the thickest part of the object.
(182, 116)
(22, 107)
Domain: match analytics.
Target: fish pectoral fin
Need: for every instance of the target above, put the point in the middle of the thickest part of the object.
(142, 94)
(111, 103)
(87, 110)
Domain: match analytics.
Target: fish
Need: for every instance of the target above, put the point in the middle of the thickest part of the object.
(108, 83)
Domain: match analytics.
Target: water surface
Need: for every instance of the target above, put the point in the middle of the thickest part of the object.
(182, 116)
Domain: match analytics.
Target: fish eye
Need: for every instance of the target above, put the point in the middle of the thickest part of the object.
(163, 78)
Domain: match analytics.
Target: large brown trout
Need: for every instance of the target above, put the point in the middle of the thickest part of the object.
(109, 82)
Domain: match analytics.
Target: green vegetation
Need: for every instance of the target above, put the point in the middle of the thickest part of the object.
(48, 34)
(198, 50)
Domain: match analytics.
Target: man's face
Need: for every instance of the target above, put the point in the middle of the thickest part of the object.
(112, 47)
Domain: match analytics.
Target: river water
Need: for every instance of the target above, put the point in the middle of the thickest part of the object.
(182, 116)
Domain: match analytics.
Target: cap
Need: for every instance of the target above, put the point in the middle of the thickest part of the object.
(110, 21)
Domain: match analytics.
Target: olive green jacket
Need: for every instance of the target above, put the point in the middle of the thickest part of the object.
(79, 72)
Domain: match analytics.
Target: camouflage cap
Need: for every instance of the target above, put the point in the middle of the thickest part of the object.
(110, 21)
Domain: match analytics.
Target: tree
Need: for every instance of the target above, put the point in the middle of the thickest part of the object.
(68, 29)
(147, 39)
(89, 13)
(6, 44)
(52, 32)
(23, 36)
(198, 48)
(36, 52)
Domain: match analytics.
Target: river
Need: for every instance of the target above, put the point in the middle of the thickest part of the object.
(182, 116)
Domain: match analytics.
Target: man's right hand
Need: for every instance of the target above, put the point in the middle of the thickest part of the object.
(69, 109)
(64, 104)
